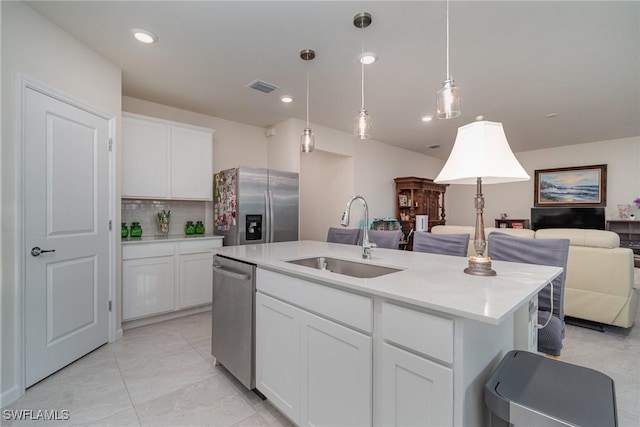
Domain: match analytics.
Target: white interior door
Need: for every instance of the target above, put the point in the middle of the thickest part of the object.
(66, 204)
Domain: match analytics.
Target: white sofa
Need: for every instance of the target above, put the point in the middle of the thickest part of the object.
(602, 284)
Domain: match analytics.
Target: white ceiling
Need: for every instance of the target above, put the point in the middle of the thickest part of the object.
(514, 61)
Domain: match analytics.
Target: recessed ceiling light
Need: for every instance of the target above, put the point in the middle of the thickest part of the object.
(551, 115)
(427, 118)
(367, 58)
(144, 36)
(479, 118)
(286, 99)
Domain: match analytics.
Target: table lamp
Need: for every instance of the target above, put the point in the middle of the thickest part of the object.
(480, 154)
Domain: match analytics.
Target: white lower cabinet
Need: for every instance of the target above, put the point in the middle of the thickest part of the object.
(160, 277)
(278, 354)
(314, 370)
(327, 356)
(195, 280)
(336, 374)
(413, 391)
(414, 383)
(148, 286)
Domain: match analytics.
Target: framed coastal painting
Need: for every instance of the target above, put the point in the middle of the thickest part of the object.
(575, 186)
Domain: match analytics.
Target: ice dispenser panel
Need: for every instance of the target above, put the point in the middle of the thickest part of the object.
(253, 227)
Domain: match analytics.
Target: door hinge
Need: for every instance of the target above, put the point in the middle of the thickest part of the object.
(110, 144)
(110, 305)
(110, 225)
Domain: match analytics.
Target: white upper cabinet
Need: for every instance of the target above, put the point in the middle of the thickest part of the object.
(191, 163)
(165, 160)
(145, 158)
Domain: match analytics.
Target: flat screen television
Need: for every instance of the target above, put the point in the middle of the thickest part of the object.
(591, 218)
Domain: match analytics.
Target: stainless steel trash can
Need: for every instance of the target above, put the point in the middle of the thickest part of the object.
(528, 389)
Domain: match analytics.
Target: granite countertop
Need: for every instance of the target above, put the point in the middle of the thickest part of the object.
(169, 238)
(427, 280)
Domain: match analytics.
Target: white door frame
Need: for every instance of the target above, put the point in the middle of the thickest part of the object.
(23, 83)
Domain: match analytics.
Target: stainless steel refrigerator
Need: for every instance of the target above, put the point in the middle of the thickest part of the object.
(254, 205)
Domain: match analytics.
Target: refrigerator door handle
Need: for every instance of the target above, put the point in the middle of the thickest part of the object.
(267, 222)
(270, 210)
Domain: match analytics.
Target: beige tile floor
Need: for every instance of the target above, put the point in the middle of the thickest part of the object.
(164, 375)
(157, 375)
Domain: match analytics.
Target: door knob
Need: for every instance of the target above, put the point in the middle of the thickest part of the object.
(36, 251)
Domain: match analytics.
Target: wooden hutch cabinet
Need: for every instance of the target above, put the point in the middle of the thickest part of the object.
(419, 196)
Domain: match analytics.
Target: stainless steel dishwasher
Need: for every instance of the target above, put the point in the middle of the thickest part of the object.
(233, 321)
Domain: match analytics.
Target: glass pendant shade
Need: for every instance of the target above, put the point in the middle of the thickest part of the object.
(307, 141)
(362, 125)
(448, 100)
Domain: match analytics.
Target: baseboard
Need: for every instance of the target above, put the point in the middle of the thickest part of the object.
(130, 324)
(9, 396)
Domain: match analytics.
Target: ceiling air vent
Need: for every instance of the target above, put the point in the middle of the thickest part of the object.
(262, 86)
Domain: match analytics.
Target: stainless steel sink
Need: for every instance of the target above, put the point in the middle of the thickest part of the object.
(348, 268)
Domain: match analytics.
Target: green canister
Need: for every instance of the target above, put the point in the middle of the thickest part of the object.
(189, 228)
(136, 230)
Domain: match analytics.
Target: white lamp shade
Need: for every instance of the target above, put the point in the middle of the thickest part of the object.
(481, 150)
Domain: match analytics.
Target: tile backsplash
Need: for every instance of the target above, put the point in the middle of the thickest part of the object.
(144, 212)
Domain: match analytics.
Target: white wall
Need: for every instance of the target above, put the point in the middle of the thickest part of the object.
(341, 167)
(377, 164)
(2, 297)
(284, 147)
(622, 157)
(38, 49)
(234, 144)
(283, 150)
(326, 183)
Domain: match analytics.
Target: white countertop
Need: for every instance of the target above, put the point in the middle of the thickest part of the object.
(432, 281)
(169, 238)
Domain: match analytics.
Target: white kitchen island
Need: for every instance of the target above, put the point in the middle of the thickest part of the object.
(414, 347)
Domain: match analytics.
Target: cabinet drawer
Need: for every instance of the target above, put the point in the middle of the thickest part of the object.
(351, 309)
(198, 246)
(422, 332)
(148, 250)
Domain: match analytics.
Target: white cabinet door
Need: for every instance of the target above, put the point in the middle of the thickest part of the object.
(413, 391)
(336, 374)
(145, 158)
(147, 286)
(278, 354)
(195, 280)
(191, 163)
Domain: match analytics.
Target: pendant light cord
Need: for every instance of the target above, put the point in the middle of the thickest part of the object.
(448, 76)
(307, 94)
(362, 74)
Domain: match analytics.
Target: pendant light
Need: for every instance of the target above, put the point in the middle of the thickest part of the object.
(448, 101)
(307, 139)
(362, 122)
